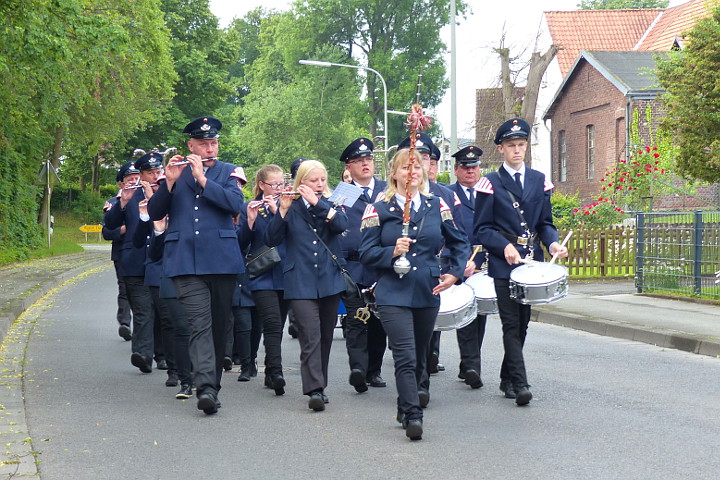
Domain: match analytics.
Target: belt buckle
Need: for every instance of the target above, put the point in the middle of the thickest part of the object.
(522, 241)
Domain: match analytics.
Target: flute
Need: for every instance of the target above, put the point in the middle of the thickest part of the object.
(257, 203)
(137, 185)
(183, 162)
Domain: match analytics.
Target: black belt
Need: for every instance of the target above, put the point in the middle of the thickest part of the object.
(353, 258)
(524, 240)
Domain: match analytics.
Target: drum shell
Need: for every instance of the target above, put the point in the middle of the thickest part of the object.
(485, 296)
(457, 308)
(538, 283)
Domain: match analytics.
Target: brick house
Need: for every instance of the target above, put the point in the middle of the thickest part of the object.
(590, 115)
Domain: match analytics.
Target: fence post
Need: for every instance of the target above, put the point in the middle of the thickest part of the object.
(603, 256)
(639, 250)
(697, 251)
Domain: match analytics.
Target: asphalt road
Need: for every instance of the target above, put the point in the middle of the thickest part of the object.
(603, 408)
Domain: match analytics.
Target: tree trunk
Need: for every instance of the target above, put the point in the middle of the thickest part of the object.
(507, 85)
(95, 183)
(47, 190)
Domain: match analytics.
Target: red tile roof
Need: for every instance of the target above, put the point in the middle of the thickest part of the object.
(673, 23)
(617, 30)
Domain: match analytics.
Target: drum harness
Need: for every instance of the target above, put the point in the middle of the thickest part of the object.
(528, 238)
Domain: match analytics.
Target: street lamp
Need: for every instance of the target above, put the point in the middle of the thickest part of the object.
(318, 63)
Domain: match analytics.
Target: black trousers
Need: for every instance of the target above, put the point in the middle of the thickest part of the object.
(470, 339)
(409, 331)
(207, 300)
(316, 320)
(143, 316)
(271, 311)
(365, 342)
(247, 331)
(124, 314)
(515, 319)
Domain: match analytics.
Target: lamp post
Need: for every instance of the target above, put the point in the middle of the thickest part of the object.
(318, 63)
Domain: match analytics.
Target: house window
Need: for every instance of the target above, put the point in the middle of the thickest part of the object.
(591, 151)
(563, 156)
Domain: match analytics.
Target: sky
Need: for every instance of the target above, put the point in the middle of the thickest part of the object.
(476, 37)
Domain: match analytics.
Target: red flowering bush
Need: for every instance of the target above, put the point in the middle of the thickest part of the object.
(603, 212)
(630, 181)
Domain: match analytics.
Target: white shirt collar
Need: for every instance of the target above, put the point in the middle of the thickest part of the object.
(370, 186)
(415, 201)
(512, 171)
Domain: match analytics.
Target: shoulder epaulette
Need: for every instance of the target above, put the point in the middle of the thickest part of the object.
(548, 185)
(484, 186)
(239, 173)
(370, 218)
(161, 177)
(457, 199)
(107, 206)
(445, 212)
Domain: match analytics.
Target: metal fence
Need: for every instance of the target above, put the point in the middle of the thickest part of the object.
(678, 252)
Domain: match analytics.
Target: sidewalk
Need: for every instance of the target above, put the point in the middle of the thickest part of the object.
(613, 309)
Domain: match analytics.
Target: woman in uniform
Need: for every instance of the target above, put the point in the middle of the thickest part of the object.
(408, 305)
(310, 227)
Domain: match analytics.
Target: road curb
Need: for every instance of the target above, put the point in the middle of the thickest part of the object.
(612, 328)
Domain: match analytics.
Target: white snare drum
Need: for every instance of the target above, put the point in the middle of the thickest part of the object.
(538, 283)
(485, 297)
(457, 308)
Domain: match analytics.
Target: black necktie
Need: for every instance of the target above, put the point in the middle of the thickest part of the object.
(366, 192)
(517, 180)
(471, 195)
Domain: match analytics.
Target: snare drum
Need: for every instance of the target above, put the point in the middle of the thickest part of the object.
(538, 283)
(457, 307)
(485, 297)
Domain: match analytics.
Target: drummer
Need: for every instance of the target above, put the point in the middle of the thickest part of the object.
(512, 216)
(470, 337)
(408, 305)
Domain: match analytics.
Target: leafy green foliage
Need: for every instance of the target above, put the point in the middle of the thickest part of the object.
(691, 78)
(563, 206)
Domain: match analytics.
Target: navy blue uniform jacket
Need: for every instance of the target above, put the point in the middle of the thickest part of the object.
(132, 259)
(382, 226)
(112, 234)
(494, 213)
(200, 238)
(464, 216)
(254, 241)
(310, 272)
(350, 239)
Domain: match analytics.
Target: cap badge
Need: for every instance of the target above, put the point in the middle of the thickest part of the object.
(362, 147)
(419, 143)
(205, 127)
(470, 155)
(515, 128)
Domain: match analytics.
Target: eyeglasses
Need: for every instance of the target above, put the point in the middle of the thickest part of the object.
(365, 159)
(273, 185)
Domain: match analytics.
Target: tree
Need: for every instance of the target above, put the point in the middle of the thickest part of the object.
(691, 78)
(621, 4)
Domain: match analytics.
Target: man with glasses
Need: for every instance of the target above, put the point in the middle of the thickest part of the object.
(365, 337)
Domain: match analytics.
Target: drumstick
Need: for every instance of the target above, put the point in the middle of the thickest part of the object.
(565, 240)
(475, 252)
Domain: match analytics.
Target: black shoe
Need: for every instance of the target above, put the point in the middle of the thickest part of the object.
(162, 364)
(472, 378)
(413, 429)
(124, 332)
(461, 375)
(523, 396)
(507, 387)
(357, 380)
(253, 368)
(278, 383)
(292, 330)
(227, 364)
(172, 380)
(376, 381)
(433, 363)
(423, 398)
(400, 417)
(140, 362)
(208, 403)
(185, 392)
(316, 402)
(244, 374)
(236, 361)
(441, 367)
(325, 398)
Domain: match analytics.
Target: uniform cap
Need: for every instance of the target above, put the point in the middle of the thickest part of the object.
(423, 143)
(513, 128)
(468, 156)
(295, 165)
(203, 127)
(149, 161)
(127, 168)
(362, 147)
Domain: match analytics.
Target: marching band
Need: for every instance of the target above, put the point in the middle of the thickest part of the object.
(184, 236)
